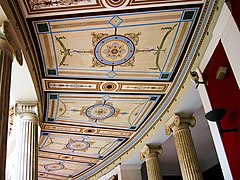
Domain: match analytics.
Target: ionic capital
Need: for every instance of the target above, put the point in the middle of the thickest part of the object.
(6, 46)
(10, 36)
(22, 108)
(177, 120)
(150, 149)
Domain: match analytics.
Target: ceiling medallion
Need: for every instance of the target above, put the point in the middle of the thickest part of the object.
(42, 174)
(65, 157)
(78, 145)
(114, 50)
(109, 86)
(100, 111)
(90, 131)
(115, 3)
(54, 167)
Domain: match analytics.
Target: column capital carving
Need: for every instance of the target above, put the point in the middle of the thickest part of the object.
(178, 119)
(11, 36)
(6, 46)
(21, 108)
(150, 149)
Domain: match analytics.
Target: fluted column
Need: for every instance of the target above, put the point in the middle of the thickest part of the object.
(150, 153)
(187, 156)
(27, 142)
(6, 58)
(9, 47)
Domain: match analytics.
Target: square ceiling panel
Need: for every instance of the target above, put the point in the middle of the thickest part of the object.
(79, 145)
(136, 46)
(61, 168)
(100, 110)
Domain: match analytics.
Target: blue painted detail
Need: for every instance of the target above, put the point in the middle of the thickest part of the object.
(188, 15)
(46, 139)
(170, 51)
(164, 75)
(114, 39)
(42, 27)
(53, 96)
(153, 98)
(100, 111)
(45, 133)
(94, 124)
(54, 49)
(111, 74)
(51, 120)
(51, 72)
(183, 45)
(106, 97)
(115, 21)
(40, 46)
(54, 167)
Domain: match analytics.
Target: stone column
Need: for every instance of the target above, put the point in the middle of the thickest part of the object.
(150, 153)
(26, 165)
(187, 156)
(6, 58)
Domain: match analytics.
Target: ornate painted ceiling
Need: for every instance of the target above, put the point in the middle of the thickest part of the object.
(110, 69)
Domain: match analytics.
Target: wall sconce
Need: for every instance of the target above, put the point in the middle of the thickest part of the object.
(216, 115)
(221, 73)
(195, 79)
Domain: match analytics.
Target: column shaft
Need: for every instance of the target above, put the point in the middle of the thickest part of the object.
(153, 167)
(187, 155)
(150, 153)
(27, 145)
(6, 58)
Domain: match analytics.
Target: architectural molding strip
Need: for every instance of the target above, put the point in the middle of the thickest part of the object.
(85, 130)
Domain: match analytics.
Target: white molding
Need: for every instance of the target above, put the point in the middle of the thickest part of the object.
(227, 31)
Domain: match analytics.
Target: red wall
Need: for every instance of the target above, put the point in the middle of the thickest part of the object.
(225, 94)
(235, 11)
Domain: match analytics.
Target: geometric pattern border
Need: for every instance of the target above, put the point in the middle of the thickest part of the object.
(48, 127)
(105, 86)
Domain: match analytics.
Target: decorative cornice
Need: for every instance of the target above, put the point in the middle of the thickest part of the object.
(21, 108)
(176, 120)
(11, 37)
(150, 149)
